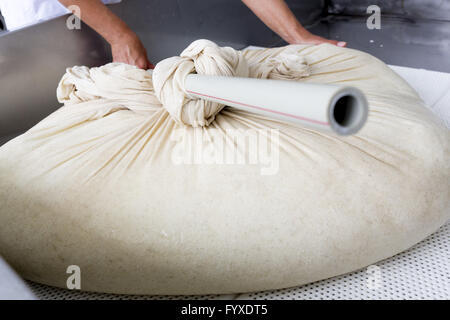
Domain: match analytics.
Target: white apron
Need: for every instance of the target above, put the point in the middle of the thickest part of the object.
(23, 13)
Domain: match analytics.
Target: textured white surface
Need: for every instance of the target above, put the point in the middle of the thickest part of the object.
(422, 272)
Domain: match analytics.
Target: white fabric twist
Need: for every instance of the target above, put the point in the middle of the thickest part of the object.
(205, 57)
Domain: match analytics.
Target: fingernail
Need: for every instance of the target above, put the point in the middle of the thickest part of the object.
(341, 44)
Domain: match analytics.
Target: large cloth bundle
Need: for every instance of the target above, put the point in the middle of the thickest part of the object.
(151, 192)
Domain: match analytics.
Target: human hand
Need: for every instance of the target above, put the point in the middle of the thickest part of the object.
(129, 49)
(308, 37)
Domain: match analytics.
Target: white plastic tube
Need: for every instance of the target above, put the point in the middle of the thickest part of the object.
(331, 108)
(339, 109)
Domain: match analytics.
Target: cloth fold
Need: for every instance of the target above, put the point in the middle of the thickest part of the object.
(22, 13)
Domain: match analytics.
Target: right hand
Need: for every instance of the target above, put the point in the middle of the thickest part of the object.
(129, 49)
(308, 38)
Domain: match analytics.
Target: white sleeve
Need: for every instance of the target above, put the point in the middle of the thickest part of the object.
(23, 13)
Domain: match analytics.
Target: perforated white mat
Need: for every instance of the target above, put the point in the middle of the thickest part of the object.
(422, 272)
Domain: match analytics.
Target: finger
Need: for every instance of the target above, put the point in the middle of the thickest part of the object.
(141, 64)
(333, 42)
(148, 64)
(121, 59)
(118, 60)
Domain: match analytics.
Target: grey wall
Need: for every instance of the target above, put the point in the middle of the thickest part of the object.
(32, 61)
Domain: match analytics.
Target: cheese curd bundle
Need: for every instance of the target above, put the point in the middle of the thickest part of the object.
(148, 191)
